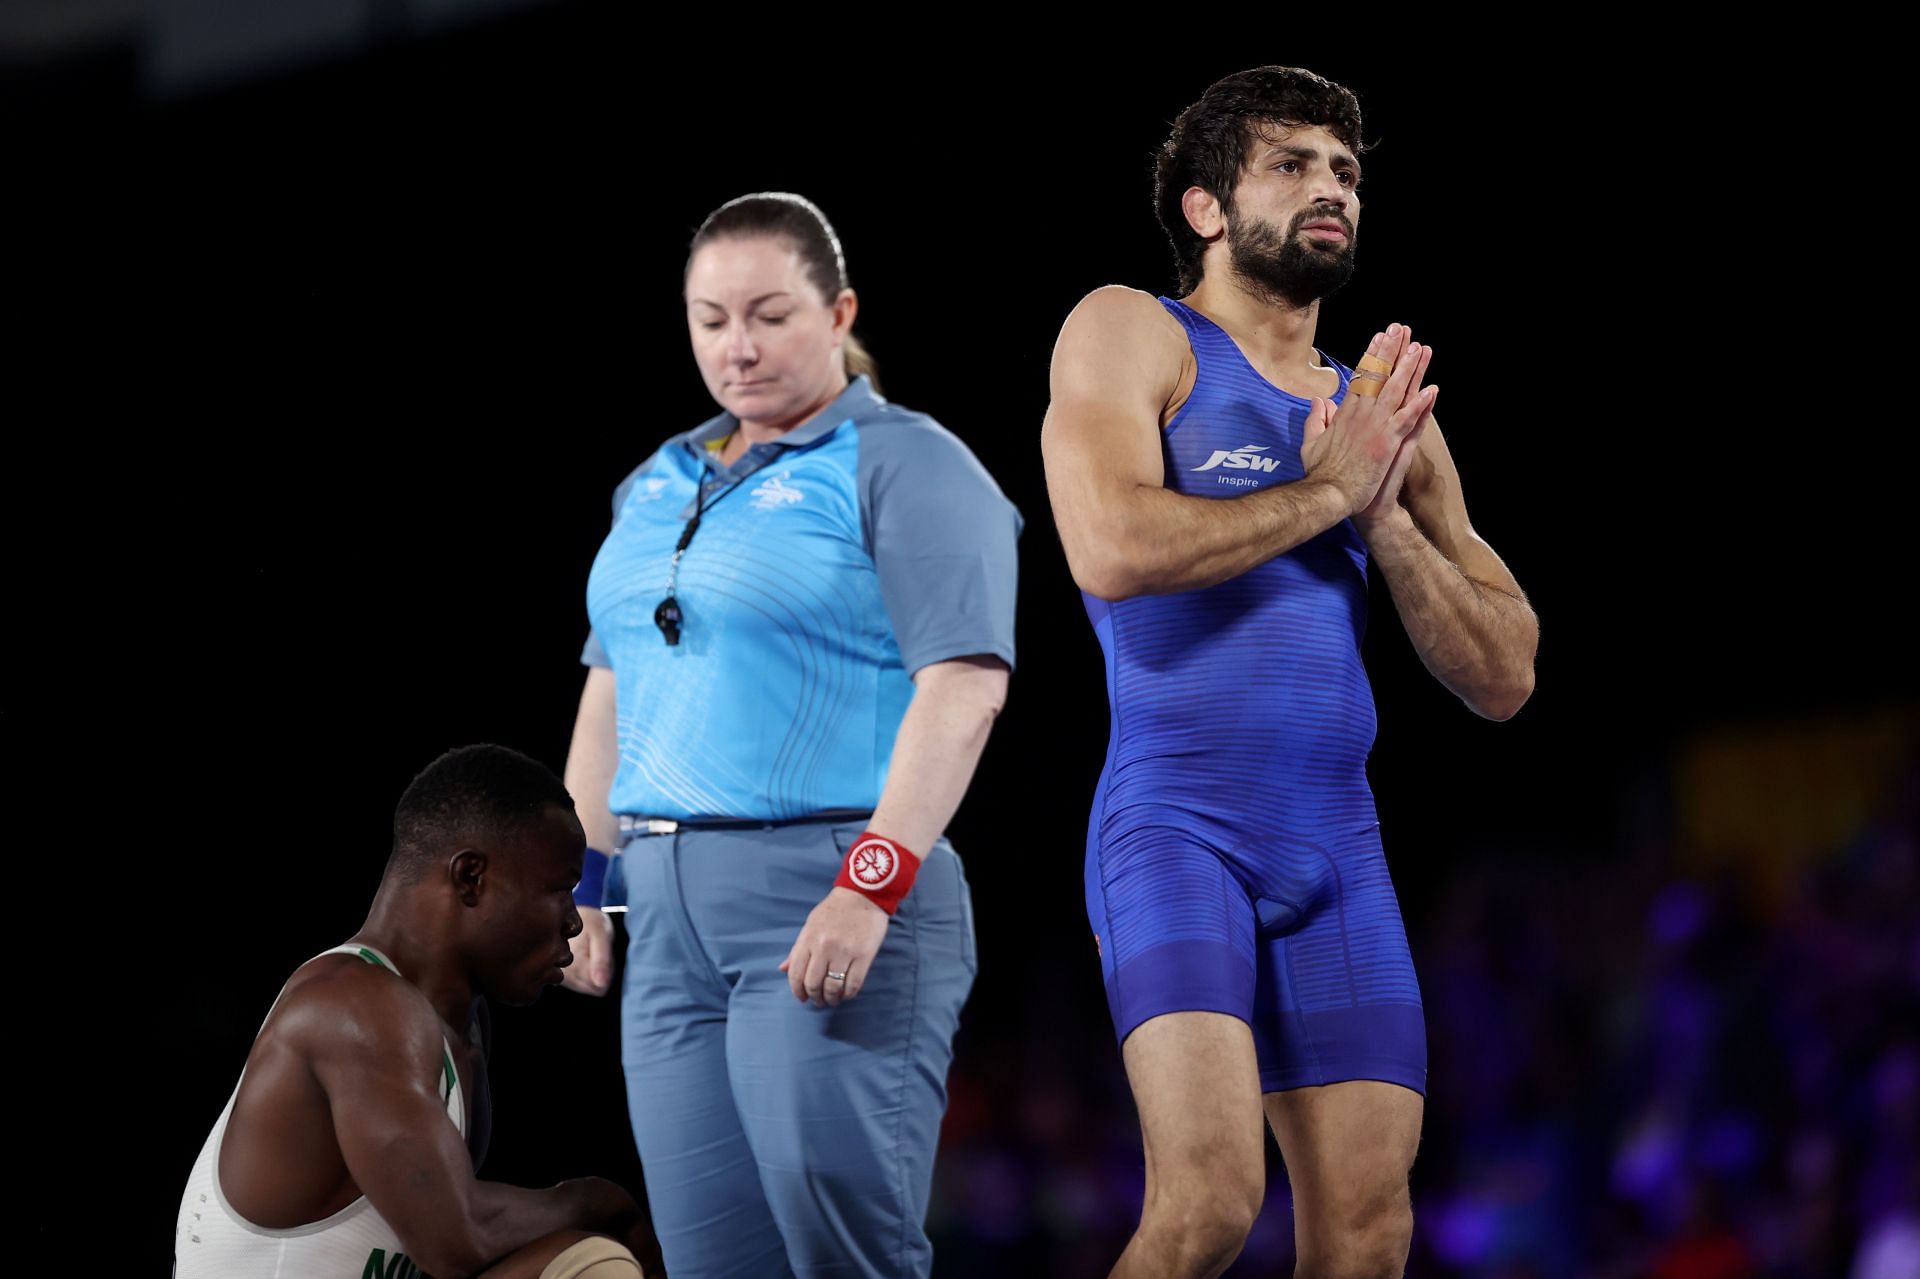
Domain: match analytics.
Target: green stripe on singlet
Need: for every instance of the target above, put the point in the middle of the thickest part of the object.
(446, 1059)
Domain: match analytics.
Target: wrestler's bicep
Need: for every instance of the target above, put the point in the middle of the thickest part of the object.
(384, 1069)
(1114, 368)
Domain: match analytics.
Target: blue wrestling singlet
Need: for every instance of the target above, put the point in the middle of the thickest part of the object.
(1233, 855)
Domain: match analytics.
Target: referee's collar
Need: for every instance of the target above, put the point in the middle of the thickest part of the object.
(858, 400)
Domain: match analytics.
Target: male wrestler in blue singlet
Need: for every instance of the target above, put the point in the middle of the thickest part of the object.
(1220, 487)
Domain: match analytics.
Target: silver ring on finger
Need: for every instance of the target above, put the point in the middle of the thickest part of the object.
(833, 976)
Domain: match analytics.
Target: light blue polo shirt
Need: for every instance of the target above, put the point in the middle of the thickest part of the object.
(866, 543)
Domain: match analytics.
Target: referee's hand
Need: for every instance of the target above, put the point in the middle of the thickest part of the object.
(842, 935)
(591, 971)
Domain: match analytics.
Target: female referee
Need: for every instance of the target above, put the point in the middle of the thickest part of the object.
(802, 632)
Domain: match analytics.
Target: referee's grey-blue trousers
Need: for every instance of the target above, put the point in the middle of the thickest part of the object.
(779, 1138)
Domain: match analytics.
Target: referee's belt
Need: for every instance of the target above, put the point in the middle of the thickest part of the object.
(635, 825)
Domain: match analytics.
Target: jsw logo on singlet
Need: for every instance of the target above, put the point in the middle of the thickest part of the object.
(1244, 458)
(398, 1266)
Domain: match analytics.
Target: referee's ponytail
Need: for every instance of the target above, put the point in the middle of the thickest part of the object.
(799, 220)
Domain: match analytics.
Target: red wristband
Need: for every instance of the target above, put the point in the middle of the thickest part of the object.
(879, 869)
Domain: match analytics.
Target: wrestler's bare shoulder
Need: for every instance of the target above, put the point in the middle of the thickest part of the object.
(1120, 345)
(1115, 313)
(339, 1002)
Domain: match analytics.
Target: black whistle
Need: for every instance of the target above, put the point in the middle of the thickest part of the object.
(667, 618)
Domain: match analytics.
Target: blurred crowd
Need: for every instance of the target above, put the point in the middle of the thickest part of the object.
(1639, 1066)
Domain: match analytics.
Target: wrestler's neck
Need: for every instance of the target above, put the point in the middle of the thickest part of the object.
(409, 935)
(1275, 335)
(771, 430)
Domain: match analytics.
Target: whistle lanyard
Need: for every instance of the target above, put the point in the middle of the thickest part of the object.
(668, 616)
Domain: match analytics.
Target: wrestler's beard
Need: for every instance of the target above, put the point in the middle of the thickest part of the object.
(1288, 269)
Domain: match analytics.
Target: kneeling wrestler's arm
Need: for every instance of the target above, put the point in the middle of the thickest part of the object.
(379, 1070)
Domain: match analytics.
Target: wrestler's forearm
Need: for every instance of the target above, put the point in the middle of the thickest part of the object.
(1159, 542)
(1476, 639)
(505, 1218)
(937, 748)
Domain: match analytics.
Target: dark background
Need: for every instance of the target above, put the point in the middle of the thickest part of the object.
(326, 360)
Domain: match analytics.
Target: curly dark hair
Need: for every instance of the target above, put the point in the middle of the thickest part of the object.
(470, 795)
(1209, 143)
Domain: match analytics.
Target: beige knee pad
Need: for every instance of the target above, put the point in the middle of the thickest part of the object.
(596, 1258)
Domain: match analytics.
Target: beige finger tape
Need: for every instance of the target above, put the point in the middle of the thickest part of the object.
(597, 1257)
(1366, 385)
(1373, 364)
